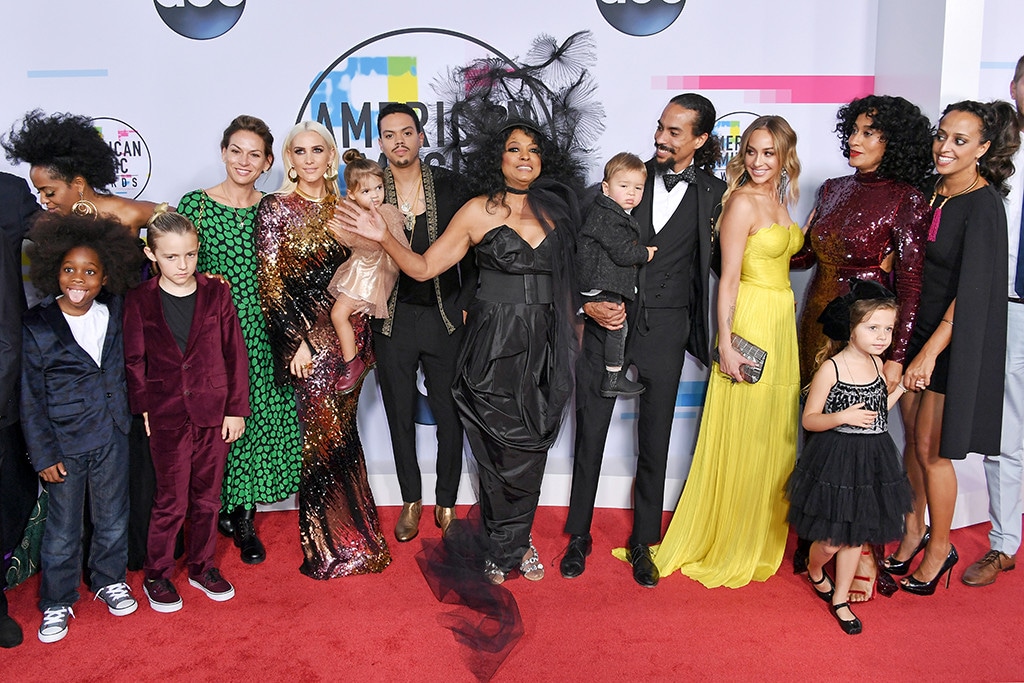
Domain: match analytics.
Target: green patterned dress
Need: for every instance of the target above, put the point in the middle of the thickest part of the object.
(263, 466)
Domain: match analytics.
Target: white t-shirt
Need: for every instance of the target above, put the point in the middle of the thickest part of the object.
(90, 329)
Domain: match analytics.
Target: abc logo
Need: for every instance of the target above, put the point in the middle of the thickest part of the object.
(640, 17)
(200, 19)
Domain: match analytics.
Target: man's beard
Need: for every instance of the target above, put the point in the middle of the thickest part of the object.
(663, 167)
(404, 162)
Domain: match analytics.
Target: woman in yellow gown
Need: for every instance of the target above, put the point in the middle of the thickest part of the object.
(730, 525)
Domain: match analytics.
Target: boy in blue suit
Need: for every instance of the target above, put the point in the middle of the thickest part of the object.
(75, 407)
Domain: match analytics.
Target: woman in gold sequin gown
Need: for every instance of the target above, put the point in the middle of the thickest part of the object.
(298, 257)
(730, 525)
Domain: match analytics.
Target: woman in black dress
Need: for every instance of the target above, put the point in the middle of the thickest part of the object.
(956, 354)
(515, 364)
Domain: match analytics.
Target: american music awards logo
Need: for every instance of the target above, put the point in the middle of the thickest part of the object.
(404, 65)
(200, 19)
(729, 129)
(640, 17)
(134, 163)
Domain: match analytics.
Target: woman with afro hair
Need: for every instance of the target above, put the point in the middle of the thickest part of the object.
(871, 225)
(71, 167)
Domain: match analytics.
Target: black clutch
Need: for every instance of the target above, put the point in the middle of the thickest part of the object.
(755, 355)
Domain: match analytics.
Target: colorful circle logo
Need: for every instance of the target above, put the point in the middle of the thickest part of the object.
(200, 19)
(134, 163)
(640, 17)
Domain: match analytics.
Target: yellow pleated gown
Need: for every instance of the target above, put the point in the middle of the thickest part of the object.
(730, 525)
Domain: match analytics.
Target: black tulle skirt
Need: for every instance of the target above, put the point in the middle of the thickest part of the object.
(849, 489)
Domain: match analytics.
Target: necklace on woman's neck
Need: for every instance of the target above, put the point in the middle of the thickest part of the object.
(317, 200)
(408, 206)
(516, 190)
(933, 229)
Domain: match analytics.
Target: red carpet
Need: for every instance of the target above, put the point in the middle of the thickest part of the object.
(599, 627)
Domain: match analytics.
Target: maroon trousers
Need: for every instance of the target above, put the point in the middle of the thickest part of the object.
(189, 465)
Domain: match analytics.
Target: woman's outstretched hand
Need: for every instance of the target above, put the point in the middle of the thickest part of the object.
(350, 217)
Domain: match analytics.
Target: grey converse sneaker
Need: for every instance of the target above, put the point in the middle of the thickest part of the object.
(55, 623)
(118, 597)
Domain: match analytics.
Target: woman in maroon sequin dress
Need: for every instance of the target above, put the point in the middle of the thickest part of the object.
(298, 257)
(871, 225)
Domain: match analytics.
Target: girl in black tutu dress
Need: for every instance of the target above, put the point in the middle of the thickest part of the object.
(849, 486)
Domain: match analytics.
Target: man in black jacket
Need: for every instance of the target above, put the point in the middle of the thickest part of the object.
(18, 483)
(668, 318)
(425, 326)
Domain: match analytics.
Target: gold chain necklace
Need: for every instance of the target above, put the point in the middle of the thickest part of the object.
(407, 207)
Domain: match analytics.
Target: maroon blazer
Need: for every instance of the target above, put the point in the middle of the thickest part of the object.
(206, 383)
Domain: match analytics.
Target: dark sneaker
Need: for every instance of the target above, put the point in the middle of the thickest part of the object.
(214, 585)
(118, 597)
(55, 623)
(163, 597)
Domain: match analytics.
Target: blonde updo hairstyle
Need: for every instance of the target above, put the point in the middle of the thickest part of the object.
(165, 221)
(330, 177)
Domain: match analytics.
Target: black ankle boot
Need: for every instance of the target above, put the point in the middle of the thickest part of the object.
(252, 550)
(225, 525)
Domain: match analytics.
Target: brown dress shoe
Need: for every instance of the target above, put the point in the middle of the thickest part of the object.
(984, 571)
(408, 524)
(443, 517)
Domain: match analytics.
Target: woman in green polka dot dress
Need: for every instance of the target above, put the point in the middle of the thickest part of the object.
(263, 465)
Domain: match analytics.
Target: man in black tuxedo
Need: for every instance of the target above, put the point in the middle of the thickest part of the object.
(668, 318)
(425, 323)
(18, 483)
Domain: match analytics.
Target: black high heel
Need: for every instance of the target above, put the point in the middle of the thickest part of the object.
(912, 585)
(850, 626)
(827, 597)
(898, 568)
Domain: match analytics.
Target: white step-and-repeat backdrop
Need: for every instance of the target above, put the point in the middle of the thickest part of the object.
(163, 77)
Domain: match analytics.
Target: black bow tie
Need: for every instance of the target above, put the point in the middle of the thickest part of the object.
(673, 179)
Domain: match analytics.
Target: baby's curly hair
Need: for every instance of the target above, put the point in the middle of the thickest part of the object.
(53, 236)
(906, 131)
(67, 144)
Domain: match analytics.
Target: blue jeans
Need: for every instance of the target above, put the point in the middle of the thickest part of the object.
(105, 472)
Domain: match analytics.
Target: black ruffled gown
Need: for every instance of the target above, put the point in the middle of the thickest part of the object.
(512, 386)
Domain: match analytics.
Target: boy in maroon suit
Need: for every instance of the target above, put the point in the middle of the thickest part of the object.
(188, 377)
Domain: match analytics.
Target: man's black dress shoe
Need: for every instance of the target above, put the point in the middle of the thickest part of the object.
(645, 572)
(575, 559)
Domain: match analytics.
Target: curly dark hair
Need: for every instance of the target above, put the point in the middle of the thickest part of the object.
(1000, 127)
(52, 236)
(904, 129)
(67, 144)
(483, 167)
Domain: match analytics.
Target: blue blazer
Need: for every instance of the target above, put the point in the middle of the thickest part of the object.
(69, 405)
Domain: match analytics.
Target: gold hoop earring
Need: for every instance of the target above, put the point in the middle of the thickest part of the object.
(331, 174)
(83, 207)
(292, 178)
